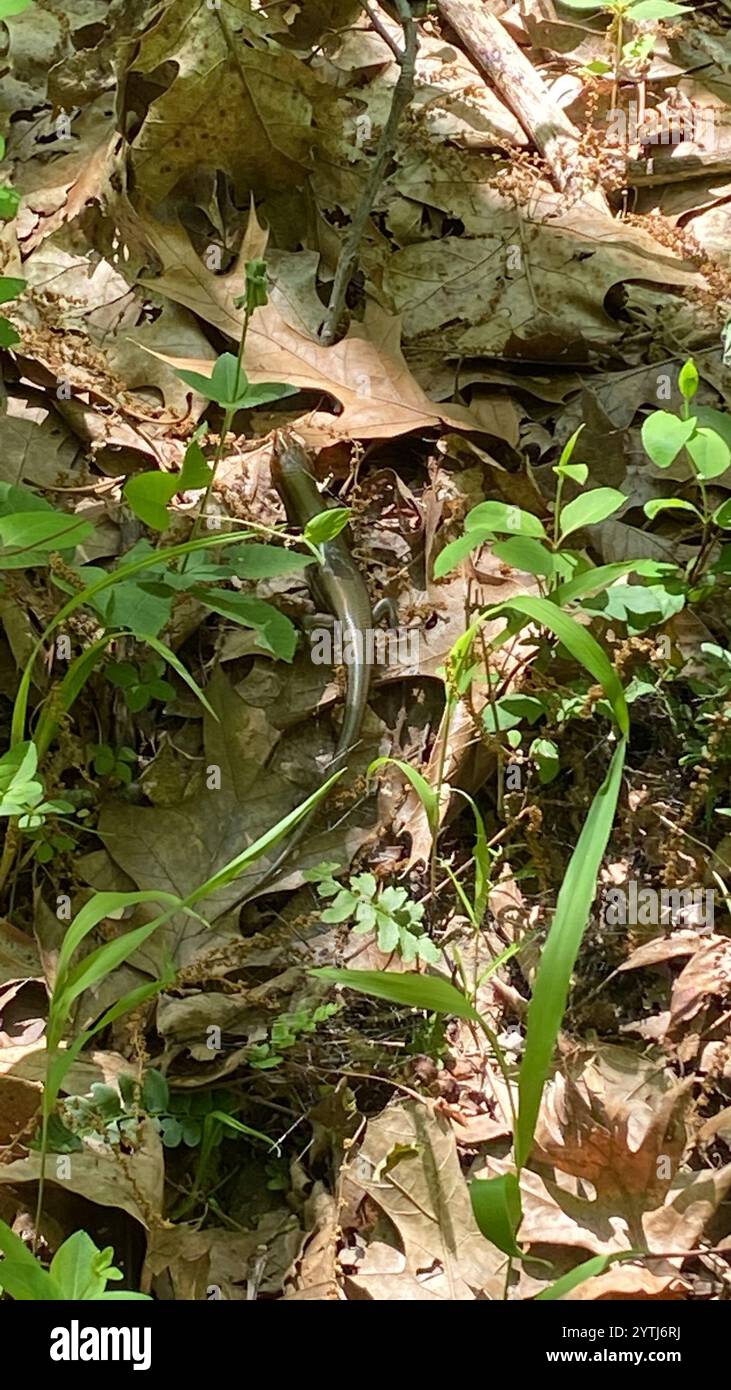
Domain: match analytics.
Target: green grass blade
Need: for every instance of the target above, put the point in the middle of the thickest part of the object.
(558, 957)
(415, 991)
(580, 643)
(177, 665)
(589, 1269)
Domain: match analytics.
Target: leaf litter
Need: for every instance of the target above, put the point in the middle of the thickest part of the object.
(491, 313)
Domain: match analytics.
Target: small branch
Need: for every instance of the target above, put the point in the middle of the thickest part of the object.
(381, 30)
(520, 86)
(402, 94)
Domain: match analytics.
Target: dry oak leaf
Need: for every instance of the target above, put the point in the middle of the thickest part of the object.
(239, 102)
(456, 294)
(556, 1214)
(365, 372)
(610, 1118)
(408, 1165)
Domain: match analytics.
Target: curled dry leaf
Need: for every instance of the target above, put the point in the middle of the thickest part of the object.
(706, 976)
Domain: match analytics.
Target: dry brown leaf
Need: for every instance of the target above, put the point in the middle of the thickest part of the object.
(413, 1174)
(664, 948)
(707, 975)
(610, 1117)
(365, 372)
(134, 1182)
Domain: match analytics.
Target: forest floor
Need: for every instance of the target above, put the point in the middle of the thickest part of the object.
(474, 259)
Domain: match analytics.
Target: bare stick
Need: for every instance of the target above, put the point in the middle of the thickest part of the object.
(402, 94)
(517, 81)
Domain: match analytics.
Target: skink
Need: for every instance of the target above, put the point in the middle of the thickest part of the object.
(338, 588)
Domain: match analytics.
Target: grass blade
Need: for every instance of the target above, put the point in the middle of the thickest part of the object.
(550, 993)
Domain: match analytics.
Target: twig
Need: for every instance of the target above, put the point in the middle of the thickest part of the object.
(402, 94)
(521, 87)
(381, 30)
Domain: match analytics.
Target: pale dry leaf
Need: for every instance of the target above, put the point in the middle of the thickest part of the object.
(365, 372)
(133, 1182)
(424, 1195)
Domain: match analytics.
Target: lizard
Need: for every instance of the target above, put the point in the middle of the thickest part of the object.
(337, 585)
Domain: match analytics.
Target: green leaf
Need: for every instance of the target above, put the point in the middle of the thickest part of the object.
(10, 287)
(593, 580)
(546, 757)
(176, 664)
(640, 606)
(21, 1274)
(76, 677)
(227, 383)
(414, 991)
(70, 982)
(229, 386)
(149, 494)
(263, 392)
(578, 471)
(497, 1210)
(77, 1268)
(342, 908)
(275, 632)
(9, 203)
(580, 643)
(527, 554)
(28, 537)
(500, 517)
(456, 551)
(196, 471)
(327, 525)
(722, 514)
(425, 792)
(657, 9)
(709, 452)
(590, 508)
(155, 1092)
(688, 376)
(589, 1269)
(668, 504)
(558, 957)
(256, 561)
(266, 841)
(8, 336)
(664, 435)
